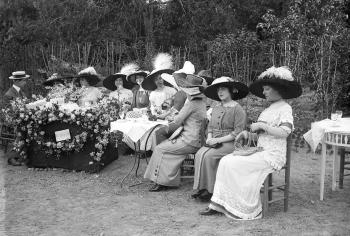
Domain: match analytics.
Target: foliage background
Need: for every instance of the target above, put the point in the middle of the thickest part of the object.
(236, 38)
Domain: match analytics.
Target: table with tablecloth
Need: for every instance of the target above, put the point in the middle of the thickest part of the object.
(334, 133)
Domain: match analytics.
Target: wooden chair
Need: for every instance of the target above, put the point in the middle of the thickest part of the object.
(344, 165)
(269, 188)
(7, 135)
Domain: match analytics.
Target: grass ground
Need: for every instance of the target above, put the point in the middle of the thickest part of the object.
(60, 203)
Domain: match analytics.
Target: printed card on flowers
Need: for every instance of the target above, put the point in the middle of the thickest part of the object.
(62, 135)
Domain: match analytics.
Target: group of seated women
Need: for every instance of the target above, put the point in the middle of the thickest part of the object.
(229, 181)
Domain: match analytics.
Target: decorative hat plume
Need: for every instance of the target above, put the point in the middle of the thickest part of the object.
(129, 68)
(282, 72)
(163, 61)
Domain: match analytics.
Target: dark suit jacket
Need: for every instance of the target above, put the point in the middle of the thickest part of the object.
(12, 94)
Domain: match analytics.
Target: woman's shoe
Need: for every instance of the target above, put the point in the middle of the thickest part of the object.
(158, 188)
(205, 196)
(197, 194)
(208, 212)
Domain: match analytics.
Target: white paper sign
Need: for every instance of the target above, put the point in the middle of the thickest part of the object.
(62, 135)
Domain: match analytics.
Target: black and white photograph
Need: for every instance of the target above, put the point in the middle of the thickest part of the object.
(174, 117)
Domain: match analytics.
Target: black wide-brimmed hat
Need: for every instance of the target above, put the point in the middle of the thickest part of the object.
(56, 78)
(90, 75)
(132, 77)
(207, 75)
(281, 78)
(17, 75)
(162, 63)
(239, 89)
(125, 71)
(189, 83)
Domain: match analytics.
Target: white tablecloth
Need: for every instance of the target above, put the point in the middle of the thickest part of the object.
(136, 128)
(315, 135)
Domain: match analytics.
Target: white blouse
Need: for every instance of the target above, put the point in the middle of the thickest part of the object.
(123, 95)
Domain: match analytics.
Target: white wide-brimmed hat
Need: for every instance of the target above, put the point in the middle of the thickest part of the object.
(239, 89)
(188, 68)
(17, 75)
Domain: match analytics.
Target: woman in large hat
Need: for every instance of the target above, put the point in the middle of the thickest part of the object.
(87, 79)
(179, 98)
(120, 86)
(160, 90)
(227, 120)
(140, 95)
(239, 178)
(164, 166)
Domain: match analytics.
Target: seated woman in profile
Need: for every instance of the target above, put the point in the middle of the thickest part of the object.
(164, 166)
(239, 178)
(87, 79)
(227, 120)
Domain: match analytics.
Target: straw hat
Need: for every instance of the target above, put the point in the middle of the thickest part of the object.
(125, 71)
(19, 75)
(280, 77)
(162, 63)
(90, 75)
(240, 90)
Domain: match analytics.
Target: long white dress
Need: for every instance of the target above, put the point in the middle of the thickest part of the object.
(239, 178)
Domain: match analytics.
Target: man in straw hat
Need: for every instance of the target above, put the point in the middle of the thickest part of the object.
(161, 90)
(164, 166)
(239, 177)
(19, 79)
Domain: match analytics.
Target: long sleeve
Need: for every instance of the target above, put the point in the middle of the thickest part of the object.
(181, 117)
(240, 119)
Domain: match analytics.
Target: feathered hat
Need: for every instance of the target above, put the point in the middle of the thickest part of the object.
(90, 75)
(239, 90)
(162, 63)
(125, 71)
(188, 68)
(132, 76)
(280, 77)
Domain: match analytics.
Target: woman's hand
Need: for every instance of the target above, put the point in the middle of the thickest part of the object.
(212, 141)
(242, 136)
(258, 126)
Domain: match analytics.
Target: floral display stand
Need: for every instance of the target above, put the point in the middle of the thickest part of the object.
(54, 132)
(70, 160)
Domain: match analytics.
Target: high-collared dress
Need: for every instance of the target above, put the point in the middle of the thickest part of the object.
(239, 178)
(225, 120)
(140, 98)
(164, 166)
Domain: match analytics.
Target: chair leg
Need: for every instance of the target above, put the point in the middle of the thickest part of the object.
(265, 203)
(342, 163)
(286, 187)
(270, 184)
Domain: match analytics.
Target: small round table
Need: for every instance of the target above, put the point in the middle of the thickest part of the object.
(336, 139)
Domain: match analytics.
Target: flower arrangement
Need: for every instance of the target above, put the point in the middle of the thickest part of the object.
(93, 123)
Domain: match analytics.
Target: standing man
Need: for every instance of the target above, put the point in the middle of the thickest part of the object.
(19, 79)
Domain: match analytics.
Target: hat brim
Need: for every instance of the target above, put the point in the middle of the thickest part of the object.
(50, 82)
(132, 77)
(92, 79)
(212, 90)
(183, 82)
(19, 78)
(149, 83)
(109, 82)
(288, 89)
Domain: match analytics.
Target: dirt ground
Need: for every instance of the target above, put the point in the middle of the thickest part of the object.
(57, 202)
